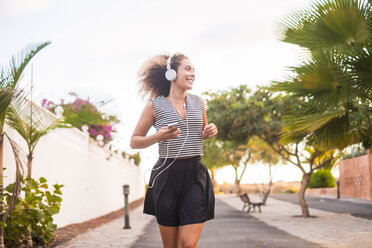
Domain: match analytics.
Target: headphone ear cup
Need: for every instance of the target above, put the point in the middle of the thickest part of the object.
(170, 75)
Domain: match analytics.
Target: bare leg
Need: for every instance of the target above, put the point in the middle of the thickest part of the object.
(169, 236)
(189, 235)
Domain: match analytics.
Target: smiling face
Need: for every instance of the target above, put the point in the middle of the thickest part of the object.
(185, 75)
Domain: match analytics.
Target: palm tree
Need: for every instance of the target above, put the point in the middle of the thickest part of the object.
(334, 80)
(9, 78)
(31, 122)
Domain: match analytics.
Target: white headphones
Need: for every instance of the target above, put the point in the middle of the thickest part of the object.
(170, 74)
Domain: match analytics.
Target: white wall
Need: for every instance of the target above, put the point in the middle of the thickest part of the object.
(92, 184)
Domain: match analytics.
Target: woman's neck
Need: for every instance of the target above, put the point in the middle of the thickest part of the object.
(177, 94)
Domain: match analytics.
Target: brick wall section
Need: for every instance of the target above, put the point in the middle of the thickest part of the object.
(356, 177)
(322, 191)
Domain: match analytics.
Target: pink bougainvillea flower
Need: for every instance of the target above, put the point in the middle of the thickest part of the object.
(107, 128)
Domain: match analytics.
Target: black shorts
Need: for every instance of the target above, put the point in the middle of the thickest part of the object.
(182, 194)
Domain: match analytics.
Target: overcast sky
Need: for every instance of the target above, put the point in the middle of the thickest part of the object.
(98, 46)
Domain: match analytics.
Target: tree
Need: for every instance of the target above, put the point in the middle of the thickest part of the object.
(9, 78)
(334, 79)
(236, 155)
(32, 123)
(213, 157)
(228, 110)
(222, 111)
(303, 153)
(261, 115)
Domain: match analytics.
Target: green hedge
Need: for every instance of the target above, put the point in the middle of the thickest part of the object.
(322, 179)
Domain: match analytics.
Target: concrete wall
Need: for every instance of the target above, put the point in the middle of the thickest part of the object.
(93, 184)
(356, 177)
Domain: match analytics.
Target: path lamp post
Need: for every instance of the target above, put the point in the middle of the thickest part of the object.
(338, 189)
(126, 212)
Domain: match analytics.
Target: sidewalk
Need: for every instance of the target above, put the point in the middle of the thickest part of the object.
(232, 229)
(112, 234)
(327, 228)
(276, 226)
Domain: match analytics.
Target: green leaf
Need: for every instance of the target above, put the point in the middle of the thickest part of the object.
(58, 191)
(45, 186)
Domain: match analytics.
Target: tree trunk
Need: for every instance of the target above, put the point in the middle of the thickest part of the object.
(237, 184)
(237, 181)
(215, 185)
(29, 165)
(29, 234)
(301, 195)
(1, 187)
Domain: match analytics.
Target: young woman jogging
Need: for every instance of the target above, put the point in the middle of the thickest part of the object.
(180, 193)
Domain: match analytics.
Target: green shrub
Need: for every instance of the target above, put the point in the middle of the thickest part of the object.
(322, 179)
(136, 158)
(32, 213)
(290, 191)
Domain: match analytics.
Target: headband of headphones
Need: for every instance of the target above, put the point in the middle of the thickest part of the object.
(170, 74)
(168, 62)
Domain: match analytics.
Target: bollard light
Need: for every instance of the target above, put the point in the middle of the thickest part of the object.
(126, 211)
(126, 189)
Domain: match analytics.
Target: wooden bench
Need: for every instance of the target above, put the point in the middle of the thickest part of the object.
(248, 204)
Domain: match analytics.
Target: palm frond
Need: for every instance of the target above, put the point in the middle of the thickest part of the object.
(324, 79)
(305, 124)
(6, 95)
(12, 74)
(328, 24)
(31, 121)
(20, 160)
(360, 63)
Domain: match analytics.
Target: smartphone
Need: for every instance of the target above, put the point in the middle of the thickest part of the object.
(171, 125)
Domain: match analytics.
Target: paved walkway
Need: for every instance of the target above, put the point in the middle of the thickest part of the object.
(231, 228)
(327, 229)
(355, 207)
(112, 234)
(276, 226)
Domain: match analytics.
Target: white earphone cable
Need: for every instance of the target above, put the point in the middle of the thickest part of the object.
(169, 141)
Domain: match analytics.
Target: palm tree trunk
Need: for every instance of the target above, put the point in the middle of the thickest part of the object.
(29, 166)
(1, 187)
(301, 195)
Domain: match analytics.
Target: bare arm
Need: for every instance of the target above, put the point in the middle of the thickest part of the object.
(140, 140)
(209, 130)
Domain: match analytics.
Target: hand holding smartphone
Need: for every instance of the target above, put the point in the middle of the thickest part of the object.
(172, 125)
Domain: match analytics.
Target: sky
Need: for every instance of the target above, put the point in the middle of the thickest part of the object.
(98, 47)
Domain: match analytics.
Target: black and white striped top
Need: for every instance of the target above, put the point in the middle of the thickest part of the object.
(165, 114)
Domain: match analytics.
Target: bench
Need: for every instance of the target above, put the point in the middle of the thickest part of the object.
(248, 204)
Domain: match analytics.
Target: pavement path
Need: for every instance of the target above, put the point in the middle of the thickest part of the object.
(327, 229)
(276, 226)
(112, 234)
(355, 207)
(231, 228)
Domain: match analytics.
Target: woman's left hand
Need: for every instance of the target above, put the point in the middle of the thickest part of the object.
(209, 131)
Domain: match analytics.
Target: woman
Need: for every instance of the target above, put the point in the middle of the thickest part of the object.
(180, 194)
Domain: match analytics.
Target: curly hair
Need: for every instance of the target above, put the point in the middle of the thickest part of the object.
(151, 76)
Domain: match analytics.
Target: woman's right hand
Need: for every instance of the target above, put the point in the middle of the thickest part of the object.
(166, 133)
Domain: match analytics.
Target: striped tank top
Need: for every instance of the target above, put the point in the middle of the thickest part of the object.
(165, 114)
